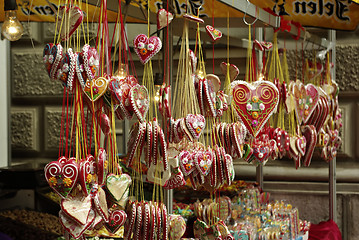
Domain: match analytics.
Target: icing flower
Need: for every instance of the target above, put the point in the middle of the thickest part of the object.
(261, 106)
(89, 178)
(95, 90)
(143, 51)
(310, 100)
(51, 58)
(93, 61)
(255, 115)
(150, 47)
(202, 163)
(185, 160)
(141, 45)
(198, 130)
(255, 99)
(188, 166)
(65, 67)
(215, 32)
(67, 182)
(205, 167)
(254, 123)
(45, 58)
(249, 106)
(52, 181)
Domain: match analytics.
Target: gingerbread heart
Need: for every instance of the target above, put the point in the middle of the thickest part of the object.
(261, 153)
(195, 124)
(139, 101)
(100, 203)
(157, 174)
(266, 45)
(193, 18)
(254, 103)
(203, 161)
(215, 34)
(87, 64)
(116, 219)
(131, 220)
(67, 69)
(74, 228)
(209, 98)
(231, 69)
(78, 208)
(177, 226)
(311, 100)
(102, 169)
(118, 185)
(95, 88)
(301, 145)
(137, 135)
(310, 134)
(68, 20)
(121, 93)
(52, 56)
(62, 176)
(177, 179)
(186, 162)
(87, 174)
(146, 48)
(163, 18)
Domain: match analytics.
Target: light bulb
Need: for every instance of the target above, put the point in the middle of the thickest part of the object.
(11, 28)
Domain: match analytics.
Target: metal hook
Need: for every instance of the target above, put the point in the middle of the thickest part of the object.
(245, 14)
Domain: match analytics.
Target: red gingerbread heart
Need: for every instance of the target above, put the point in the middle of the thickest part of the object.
(102, 169)
(87, 174)
(116, 219)
(306, 99)
(139, 101)
(87, 64)
(66, 71)
(146, 48)
(310, 135)
(121, 92)
(72, 16)
(203, 161)
(215, 34)
(195, 124)
(232, 70)
(62, 176)
(52, 55)
(254, 103)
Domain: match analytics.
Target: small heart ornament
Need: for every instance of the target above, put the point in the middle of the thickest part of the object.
(74, 228)
(118, 185)
(139, 101)
(254, 103)
(195, 124)
(163, 18)
(62, 176)
(203, 161)
(87, 174)
(87, 64)
(232, 70)
(116, 219)
(72, 16)
(215, 34)
(95, 88)
(146, 48)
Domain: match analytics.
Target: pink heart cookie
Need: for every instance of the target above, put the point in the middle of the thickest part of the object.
(62, 176)
(146, 48)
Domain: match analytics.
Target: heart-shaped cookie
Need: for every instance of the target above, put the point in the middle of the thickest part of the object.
(254, 103)
(95, 88)
(87, 174)
(195, 124)
(310, 134)
(261, 153)
(116, 219)
(203, 161)
(68, 20)
(177, 226)
(193, 18)
(87, 64)
(121, 93)
(102, 169)
(186, 162)
(312, 98)
(136, 136)
(77, 207)
(163, 18)
(131, 220)
(139, 101)
(301, 144)
(177, 179)
(62, 176)
(146, 48)
(74, 228)
(209, 98)
(100, 203)
(231, 69)
(118, 185)
(214, 34)
(67, 69)
(52, 56)
(157, 174)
